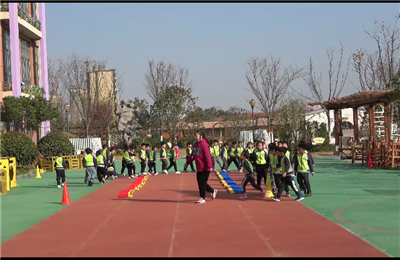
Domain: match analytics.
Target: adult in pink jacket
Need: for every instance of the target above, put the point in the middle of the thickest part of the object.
(202, 157)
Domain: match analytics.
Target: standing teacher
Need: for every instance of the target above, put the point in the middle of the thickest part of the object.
(202, 157)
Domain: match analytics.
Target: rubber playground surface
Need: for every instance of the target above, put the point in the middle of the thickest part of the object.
(354, 211)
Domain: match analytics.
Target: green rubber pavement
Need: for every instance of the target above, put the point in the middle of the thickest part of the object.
(337, 185)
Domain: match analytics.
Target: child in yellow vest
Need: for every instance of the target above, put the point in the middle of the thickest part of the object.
(286, 176)
(89, 164)
(152, 161)
(248, 176)
(60, 167)
(303, 164)
(101, 166)
(240, 149)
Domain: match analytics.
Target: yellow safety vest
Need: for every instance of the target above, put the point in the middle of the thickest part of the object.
(89, 160)
(303, 164)
(240, 150)
(100, 160)
(59, 162)
(216, 149)
(261, 157)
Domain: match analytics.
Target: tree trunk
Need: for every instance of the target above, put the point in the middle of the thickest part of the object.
(329, 125)
(108, 136)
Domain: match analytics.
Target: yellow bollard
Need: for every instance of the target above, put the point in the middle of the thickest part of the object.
(38, 173)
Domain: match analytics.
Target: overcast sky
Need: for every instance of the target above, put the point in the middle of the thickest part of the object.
(212, 40)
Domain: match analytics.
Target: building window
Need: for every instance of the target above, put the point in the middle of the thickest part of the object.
(36, 65)
(24, 7)
(34, 10)
(6, 55)
(25, 57)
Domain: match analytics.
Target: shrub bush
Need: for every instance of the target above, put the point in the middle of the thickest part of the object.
(55, 142)
(20, 146)
(182, 143)
(321, 148)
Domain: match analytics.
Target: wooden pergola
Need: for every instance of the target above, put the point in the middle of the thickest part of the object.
(384, 153)
(366, 99)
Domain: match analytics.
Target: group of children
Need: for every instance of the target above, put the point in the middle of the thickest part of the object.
(275, 162)
(148, 159)
(258, 163)
(103, 165)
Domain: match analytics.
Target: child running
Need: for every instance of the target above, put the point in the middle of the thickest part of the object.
(172, 160)
(248, 176)
(152, 161)
(89, 164)
(188, 153)
(217, 155)
(163, 158)
(224, 157)
(61, 167)
(232, 156)
(303, 165)
(286, 177)
(240, 150)
(275, 167)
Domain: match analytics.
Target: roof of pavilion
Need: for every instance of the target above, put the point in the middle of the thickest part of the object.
(358, 99)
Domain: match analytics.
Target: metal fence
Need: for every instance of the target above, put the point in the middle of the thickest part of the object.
(83, 143)
(247, 136)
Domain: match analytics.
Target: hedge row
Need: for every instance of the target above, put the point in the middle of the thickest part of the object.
(26, 153)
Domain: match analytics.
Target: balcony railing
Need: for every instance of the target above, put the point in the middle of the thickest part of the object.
(6, 86)
(4, 7)
(34, 22)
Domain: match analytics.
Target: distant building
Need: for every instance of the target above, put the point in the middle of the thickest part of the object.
(319, 115)
(101, 83)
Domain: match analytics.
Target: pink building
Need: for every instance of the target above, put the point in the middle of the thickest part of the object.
(23, 51)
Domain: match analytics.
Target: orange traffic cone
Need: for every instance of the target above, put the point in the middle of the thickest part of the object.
(370, 164)
(65, 199)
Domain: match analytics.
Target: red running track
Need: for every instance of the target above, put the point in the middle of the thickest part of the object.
(163, 220)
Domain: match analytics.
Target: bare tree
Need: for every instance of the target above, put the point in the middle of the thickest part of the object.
(75, 80)
(161, 75)
(337, 77)
(375, 70)
(108, 88)
(57, 94)
(269, 84)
